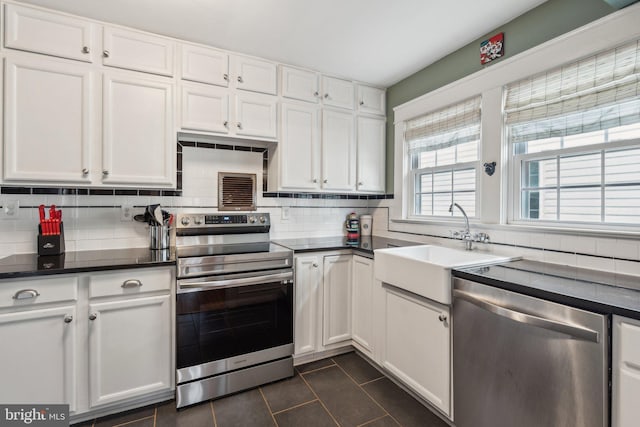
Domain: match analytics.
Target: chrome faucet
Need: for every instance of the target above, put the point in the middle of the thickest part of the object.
(466, 218)
(466, 235)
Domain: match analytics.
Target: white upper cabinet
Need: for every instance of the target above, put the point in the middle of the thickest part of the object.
(137, 51)
(254, 75)
(299, 147)
(205, 108)
(256, 115)
(338, 151)
(204, 65)
(49, 33)
(371, 154)
(48, 120)
(338, 92)
(300, 84)
(137, 125)
(371, 100)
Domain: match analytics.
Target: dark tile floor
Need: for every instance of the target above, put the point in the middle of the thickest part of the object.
(344, 390)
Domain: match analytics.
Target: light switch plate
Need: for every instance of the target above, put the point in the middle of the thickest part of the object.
(10, 209)
(285, 213)
(126, 213)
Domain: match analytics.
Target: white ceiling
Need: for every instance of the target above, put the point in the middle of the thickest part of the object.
(375, 41)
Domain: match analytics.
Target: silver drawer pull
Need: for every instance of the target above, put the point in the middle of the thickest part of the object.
(132, 283)
(26, 294)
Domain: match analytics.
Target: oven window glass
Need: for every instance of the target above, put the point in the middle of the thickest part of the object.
(220, 323)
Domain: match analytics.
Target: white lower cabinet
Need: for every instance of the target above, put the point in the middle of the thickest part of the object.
(94, 341)
(336, 298)
(129, 348)
(323, 302)
(362, 307)
(37, 361)
(417, 345)
(626, 372)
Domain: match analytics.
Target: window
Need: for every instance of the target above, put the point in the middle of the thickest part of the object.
(442, 149)
(574, 133)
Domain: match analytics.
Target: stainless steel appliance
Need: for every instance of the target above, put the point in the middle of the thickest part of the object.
(234, 306)
(522, 361)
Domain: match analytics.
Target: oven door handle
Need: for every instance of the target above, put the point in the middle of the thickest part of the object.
(231, 283)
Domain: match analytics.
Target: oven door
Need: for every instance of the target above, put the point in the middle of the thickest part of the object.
(233, 321)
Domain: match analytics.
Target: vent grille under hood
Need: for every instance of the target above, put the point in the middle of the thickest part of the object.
(236, 191)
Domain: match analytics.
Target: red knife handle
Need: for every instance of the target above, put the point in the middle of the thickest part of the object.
(41, 211)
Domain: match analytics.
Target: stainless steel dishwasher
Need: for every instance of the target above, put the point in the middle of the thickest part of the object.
(526, 362)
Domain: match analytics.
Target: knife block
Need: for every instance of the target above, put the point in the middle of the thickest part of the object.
(51, 244)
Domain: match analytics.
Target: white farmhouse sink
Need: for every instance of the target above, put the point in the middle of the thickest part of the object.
(426, 270)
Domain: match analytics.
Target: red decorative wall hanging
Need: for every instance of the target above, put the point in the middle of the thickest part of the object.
(492, 48)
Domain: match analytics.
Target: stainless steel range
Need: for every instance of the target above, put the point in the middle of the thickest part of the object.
(234, 308)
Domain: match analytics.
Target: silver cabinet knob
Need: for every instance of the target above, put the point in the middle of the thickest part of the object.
(325, 181)
(315, 181)
(105, 53)
(240, 80)
(93, 316)
(225, 76)
(105, 172)
(442, 318)
(225, 124)
(361, 183)
(361, 102)
(239, 125)
(316, 94)
(326, 96)
(68, 318)
(85, 171)
(315, 265)
(85, 49)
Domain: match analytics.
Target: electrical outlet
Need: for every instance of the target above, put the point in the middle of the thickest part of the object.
(285, 213)
(10, 209)
(126, 213)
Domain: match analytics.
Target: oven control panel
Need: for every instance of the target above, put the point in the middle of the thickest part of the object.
(222, 221)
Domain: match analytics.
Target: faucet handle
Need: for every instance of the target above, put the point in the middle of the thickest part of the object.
(482, 238)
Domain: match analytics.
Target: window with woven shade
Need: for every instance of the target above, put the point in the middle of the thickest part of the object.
(443, 154)
(574, 136)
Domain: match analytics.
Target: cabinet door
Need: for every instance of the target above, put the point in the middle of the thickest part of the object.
(300, 84)
(256, 115)
(308, 279)
(137, 51)
(38, 31)
(37, 361)
(48, 121)
(254, 75)
(338, 151)
(626, 372)
(362, 315)
(338, 92)
(138, 124)
(371, 154)
(130, 349)
(336, 290)
(299, 147)
(371, 100)
(417, 346)
(205, 108)
(205, 65)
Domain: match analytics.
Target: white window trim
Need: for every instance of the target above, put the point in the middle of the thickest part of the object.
(607, 32)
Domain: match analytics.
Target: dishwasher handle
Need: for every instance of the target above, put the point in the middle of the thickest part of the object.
(529, 319)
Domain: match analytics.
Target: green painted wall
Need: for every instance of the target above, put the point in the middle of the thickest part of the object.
(549, 20)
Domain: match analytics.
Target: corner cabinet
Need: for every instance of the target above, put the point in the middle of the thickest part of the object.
(137, 124)
(626, 372)
(308, 276)
(417, 345)
(336, 299)
(362, 308)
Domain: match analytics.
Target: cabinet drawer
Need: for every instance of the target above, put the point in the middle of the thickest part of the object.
(137, 51)
(48, 33)
(129, 282)
(27, 292)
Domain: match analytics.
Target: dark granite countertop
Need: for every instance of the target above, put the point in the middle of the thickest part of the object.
(603, 292)
(24, 265)
(363, 246)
